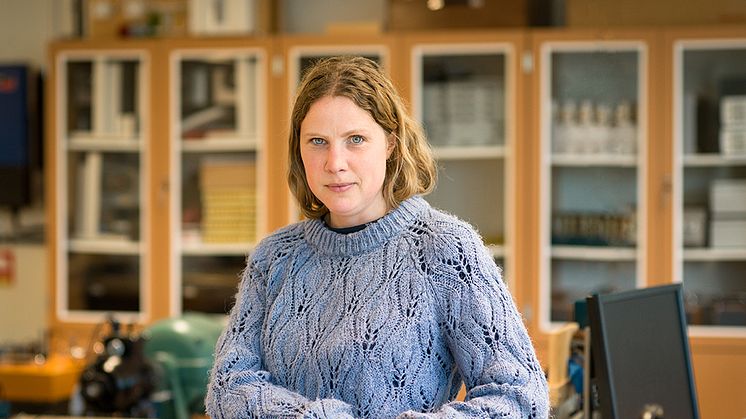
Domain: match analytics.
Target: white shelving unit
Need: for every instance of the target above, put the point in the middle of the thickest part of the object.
(218, 136)
(102, 167)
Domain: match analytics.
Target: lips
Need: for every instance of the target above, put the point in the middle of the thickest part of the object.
(339, 187)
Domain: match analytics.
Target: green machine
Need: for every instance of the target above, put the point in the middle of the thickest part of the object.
(182, 350)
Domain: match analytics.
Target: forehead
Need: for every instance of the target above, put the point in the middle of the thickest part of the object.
(335, 111)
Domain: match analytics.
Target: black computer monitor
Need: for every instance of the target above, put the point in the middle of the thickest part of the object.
(640, 354)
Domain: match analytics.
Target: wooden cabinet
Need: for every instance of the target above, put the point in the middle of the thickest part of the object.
(159, 153)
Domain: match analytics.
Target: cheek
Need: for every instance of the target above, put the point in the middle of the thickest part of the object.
(307, 163)
(312, 171)
(378, 166)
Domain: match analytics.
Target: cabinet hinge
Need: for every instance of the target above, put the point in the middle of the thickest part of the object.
(527, 62)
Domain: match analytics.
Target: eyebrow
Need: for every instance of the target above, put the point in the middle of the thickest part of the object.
(354, 131)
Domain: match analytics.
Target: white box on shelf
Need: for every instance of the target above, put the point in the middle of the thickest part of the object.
(221, 17)
(728, 196)
(473, 133)
(728, 232)
(733, 141)
(473, 109)
(733, 110)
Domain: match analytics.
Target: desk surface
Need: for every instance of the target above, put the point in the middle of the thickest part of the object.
(51, 381)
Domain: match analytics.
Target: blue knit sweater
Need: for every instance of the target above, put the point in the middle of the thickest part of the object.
(384, 322)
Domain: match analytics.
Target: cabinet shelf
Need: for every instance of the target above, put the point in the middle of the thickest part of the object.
(104, 246)
(217, 249)
(713, 159)
(467, 153)
(594, 160)
(594, 253)
(706, 254)
(219, 144)
(103, 144)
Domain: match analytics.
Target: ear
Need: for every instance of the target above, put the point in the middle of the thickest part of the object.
(390, 144)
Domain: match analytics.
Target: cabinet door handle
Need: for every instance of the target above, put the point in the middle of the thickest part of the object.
(667, 184)
(666, 190)
(163, 192)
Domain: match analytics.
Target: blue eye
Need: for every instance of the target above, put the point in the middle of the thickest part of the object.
(317, 141)
(357, 139)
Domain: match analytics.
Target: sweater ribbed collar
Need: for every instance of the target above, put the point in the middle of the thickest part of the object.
(374, 235)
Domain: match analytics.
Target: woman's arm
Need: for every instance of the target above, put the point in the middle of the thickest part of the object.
(239, 386)
(486, 336)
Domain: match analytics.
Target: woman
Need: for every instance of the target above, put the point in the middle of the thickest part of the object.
(377, 305)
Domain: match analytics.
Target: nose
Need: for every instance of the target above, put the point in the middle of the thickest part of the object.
(336, 159)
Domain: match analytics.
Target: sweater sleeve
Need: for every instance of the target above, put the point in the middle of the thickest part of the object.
(239, 385)
(486, 336)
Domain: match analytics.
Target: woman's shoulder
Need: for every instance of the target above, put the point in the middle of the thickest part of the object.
(454, 252)
(441, 226)
(280, 240)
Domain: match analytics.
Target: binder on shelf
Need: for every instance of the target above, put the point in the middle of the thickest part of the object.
(229, 200)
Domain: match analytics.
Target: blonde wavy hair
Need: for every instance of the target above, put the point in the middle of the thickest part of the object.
(410, 169)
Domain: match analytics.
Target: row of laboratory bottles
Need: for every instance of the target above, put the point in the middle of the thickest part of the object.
(593, 128)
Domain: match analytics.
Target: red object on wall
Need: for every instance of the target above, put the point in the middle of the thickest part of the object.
(7, 267)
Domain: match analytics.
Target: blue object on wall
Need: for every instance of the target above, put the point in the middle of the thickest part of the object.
(14, 118)
(18, 108)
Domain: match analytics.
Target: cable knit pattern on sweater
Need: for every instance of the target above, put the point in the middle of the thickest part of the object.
(381, 323)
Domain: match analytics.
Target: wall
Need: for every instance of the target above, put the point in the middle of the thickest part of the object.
(24, 301)
(26, 26)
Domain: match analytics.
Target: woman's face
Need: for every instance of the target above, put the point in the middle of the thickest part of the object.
(344, 154)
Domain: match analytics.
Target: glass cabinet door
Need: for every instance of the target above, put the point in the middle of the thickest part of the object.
(461, 93)
(218, 159)
(101, 160)
(593, 107)
(710, 158)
